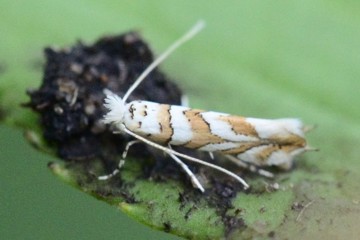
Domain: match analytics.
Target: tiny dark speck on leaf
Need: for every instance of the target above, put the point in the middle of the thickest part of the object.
(296, 206)
(271, 234)
(262, 210)
(167, 226)
(238, 211)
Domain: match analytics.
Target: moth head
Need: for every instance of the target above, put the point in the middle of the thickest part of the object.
(116, 110)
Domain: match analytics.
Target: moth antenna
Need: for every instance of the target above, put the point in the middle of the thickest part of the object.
(186, 37)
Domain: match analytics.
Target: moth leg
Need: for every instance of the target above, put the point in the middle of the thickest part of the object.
(250, 167)
(195, 182)
(121, 162)
(185, 101)
(128, 145)
(184, 156)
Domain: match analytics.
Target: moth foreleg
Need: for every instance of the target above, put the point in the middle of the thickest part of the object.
(127, 147)
(121, 162)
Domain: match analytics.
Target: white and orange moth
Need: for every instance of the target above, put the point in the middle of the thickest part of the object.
(249, 142)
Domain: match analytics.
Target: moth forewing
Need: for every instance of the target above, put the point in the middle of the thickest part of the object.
(279, 142)
(260, 142)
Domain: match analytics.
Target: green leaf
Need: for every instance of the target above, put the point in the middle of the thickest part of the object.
(255, 58)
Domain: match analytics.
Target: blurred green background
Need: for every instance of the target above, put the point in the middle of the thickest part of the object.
(255, 58)
(37, 205)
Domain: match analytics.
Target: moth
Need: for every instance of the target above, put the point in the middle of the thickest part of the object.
(249, 142)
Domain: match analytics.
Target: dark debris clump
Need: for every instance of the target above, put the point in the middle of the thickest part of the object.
(70, 99)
